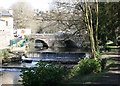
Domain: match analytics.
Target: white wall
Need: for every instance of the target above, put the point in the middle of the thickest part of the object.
(2, 24)
(10, 21)
(6, 32)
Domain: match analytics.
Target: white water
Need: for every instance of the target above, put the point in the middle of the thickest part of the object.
(11, 76)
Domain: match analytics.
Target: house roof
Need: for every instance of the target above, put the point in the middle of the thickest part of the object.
(2, 20)
(4, 13)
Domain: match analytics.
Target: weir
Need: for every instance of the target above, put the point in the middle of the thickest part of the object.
(40, 54)
(55, 56)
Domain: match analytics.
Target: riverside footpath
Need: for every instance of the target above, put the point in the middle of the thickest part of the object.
(112, 73)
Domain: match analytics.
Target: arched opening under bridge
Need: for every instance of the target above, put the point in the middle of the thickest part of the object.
(44, 44)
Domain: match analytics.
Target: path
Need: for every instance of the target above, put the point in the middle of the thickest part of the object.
(112, 75)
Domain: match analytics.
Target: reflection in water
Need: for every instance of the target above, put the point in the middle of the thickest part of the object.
(10, 78)
(21, 64)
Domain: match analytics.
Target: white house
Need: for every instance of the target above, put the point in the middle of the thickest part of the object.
(6, 27)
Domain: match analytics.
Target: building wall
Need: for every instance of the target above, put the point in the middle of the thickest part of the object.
(6, 31)
(9, 20)
(5, 37)
(2, 24)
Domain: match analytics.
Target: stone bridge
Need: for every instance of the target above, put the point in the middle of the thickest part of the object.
(57, 40)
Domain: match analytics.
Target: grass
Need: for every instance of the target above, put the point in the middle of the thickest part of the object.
(112, 49)
(105, 53)
(110, 42)
(110, 61)
(109, 64)
(86, 79)
(91, 78)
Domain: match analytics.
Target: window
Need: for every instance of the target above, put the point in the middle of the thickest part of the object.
(6, 23)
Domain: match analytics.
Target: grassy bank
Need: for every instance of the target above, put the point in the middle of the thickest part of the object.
(86, 79)
(91, 78)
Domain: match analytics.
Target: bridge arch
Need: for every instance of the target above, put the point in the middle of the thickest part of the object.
(55, 40)
(70, 43)
(58, 43)
(64, 43)
(41, 41)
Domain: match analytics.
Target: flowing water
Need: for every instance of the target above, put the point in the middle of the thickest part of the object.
(11, 74)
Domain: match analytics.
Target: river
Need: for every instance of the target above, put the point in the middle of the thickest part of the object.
(11, 76)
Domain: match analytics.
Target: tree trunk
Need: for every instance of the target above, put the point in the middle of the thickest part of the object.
(92, 44)
(90, 30)
(96, 34)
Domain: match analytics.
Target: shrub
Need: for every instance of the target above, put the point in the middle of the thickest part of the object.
(44, 73)
(86, 66)
(5, 53)
(15, 59)
(103, 63)
(5, 56)
(5, 60)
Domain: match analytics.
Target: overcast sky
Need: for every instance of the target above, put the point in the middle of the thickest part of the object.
(36, 4)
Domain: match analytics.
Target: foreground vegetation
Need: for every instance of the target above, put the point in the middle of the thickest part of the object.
(91, 77)
(86, 71)
(45, 73)
(101, 22)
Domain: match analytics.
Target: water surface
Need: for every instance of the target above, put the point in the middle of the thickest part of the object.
(11, 76)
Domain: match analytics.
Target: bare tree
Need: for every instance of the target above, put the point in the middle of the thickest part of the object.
(23, 16)
(83, 14)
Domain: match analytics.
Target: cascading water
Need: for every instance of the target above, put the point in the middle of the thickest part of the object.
(55, 56)
(11, 72)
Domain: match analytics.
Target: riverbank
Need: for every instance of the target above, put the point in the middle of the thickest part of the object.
(112, 71)
(110, 76)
